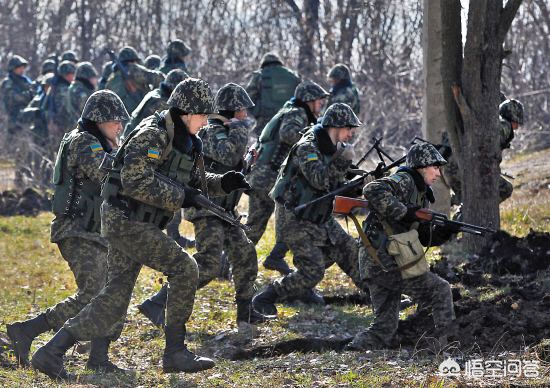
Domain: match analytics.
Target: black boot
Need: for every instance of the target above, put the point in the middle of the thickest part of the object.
(23, 333)
(264, 302)
(98, 360)
(184, 242)
(177, 358)
(312, 297)
(49, 358)
(276, 259)
(153, 308)
(246, 314)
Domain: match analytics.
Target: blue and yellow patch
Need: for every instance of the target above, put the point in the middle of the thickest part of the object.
(153, 153)
(312, 157)
(96, 147)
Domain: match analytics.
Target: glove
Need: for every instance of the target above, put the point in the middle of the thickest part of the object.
(345, 151)
(377, 173)
(190, 195)
(233, 180)
(410, 216)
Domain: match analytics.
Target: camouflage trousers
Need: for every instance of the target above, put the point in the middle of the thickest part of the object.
(88, 261)
(213, 236)
(260, 208)
(133, 244)
(172, 229)
(315, 248)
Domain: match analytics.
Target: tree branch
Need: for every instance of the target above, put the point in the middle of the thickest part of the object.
(294, 7)
(507, 16)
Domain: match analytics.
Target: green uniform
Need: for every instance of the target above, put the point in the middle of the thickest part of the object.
(79, 91)
(153, 102)
(16, 92)
(58, 110)
(346, 93)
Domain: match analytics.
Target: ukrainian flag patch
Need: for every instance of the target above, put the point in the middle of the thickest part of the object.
(312, 157)
(96, 147)
(153, 153)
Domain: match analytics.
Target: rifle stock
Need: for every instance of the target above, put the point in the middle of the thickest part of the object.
(345, 205)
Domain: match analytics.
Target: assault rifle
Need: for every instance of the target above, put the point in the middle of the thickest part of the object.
(200, 200)
(345, 205)
(128, 82)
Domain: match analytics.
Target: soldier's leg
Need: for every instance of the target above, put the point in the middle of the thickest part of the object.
(505, 189)
(172, 230)
(260, 208)
(209, 237)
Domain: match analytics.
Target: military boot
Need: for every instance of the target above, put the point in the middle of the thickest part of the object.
(184, 242)
(49, 358)
(275, 261)
(246, 314)
(98, 360)
(23, 333)
(264, 302)
(177, 358)
(312, 297)
(153, 308)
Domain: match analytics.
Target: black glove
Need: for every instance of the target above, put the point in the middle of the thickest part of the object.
(410, 216)
(233, 180)
(378, 173)
(190, 195)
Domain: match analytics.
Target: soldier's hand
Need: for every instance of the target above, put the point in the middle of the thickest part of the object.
(345, 151)
(190, 195)
(410, 215)
(233, 180)
(378, 173)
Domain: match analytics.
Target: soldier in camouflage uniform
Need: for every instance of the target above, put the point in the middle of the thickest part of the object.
(269, 88)
(278, 136)
(225, 139)
(176, 52)
(70, 56)
(75, 228)
(317, 164)
(152, 62)
(16, 91)
(106, 72)
(393, 202)
(136, 207)
(84, 84)
(140, 80)
(57, 107)
(343, 89)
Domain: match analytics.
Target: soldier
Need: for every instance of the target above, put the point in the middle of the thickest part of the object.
(269, 88)
(48, 66)
(75, 228)
(57, 102)
(17, 91)
(70, 56)
(84, 84)
(33, 114)
(152, 62)
(225, 139)
(315, 165)
(393, 202)
(278, 136)
(176, 53)
(342, 89)
(134, 81)
(105, 74)
(137, 205)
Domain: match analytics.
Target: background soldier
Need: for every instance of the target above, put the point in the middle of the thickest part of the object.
(105, 74)
(269, 88)
(76, 225)
(70, 56)
(176, 53)
(394, 201)
(225, 139)
(134, 81)
(342, 89)
(84, 84)
(317, 164)
(278, 136)
(57, 108)
(152, 62)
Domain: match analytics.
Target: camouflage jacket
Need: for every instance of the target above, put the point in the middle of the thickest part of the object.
(506, 133)
(263, 176)
(151, 103)
(348, 95)
(105, 74)
(224, 146)
(58, 107)
(78, 94)
(15, 92)
(84, 157)
(168, 66)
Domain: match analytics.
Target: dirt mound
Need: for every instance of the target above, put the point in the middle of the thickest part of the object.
(29, 202)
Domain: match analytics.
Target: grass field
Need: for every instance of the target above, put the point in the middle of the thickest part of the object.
(34, 276)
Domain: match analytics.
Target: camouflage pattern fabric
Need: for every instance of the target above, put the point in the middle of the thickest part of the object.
(48, 66)
(232, 97)
(423, 155)
(57, 111)
(348, 95)
(176, 51)
(213, 236)
(340, 71)
(192, 96)
(260, 208)
(269, 58)
(105, 74)
(16, 61)
(16, 92)
(151, 103)
(69, 55)
(152, 62)
(128, 53)
(66, 68)
(340, 115)
(309, 91)
(79, 92)
(511, 110)
(103, 106)
(168, 66)
(85, 70)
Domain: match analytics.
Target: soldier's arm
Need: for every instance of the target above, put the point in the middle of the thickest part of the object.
(227, 148)
(320, 175)
(142, 157)
(213, 184)
(144, 76)
(253, 87)
(291, 126)
(86, 153)
(383, 197)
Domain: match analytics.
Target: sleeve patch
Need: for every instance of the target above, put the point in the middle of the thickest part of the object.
(396, 178)
(221, 135)
(96, 147)
(312, 157)
(153, 153)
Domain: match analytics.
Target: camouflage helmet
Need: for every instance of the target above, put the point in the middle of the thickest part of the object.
(104, 105)
(152, 62)
(340, 115)
(232, 97)
(309, 91)
(128, 54)
(85, 70)
(192, 96)
(177, 49)
(511, 110)
(269, 58)
(69, 55)
(423, 155)
(48, 66)
(340, 72)
(174, 77)
(16, 61)
(65, 68)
